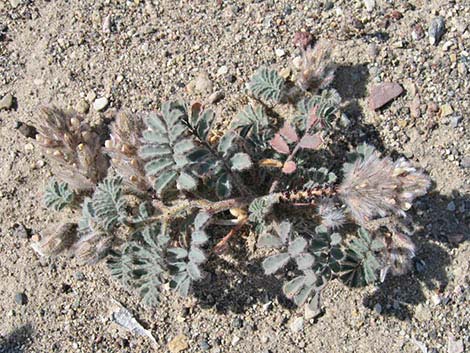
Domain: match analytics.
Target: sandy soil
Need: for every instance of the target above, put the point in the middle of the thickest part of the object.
(140, 53)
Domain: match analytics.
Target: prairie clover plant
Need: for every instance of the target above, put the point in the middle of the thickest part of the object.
(155, 215)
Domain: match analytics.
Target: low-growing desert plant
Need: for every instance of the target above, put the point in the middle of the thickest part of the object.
(157, 213)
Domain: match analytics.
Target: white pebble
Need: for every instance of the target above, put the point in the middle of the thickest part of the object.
(100, 104)
(280, 53)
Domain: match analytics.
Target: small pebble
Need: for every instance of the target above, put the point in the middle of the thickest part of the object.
(216, 97)
(27, 130)
(446, 110)
(100, 104)
(369, 4)
(436, 30)
(451, 206)
(230, 78)
(383, 93)
(20, 231)
(202, 83)
(344, 120)
(82, 106)
(15, 3)
(417, 32)
(223, 70)
(455, 121)
(235, 340)
(378, 308)
(465, 162)
(21, 298)
(204, 345)
(178, 344)
(79, 276)
(297, 324)
(280, 53)
(7, 102)
(237, 323)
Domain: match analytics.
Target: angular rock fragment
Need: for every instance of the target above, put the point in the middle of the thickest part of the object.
(383, 93)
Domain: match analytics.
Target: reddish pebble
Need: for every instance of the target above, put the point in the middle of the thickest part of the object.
(383, 93)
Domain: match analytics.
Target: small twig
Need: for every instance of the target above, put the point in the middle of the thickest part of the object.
(222, 245)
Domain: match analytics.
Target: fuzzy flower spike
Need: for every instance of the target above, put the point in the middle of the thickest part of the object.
(375, 186)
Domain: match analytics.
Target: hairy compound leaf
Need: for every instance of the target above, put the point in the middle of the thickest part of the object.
(183, 146)
(58, 195)
(335, 239)
(223, 187)
(311, 142)
(326, 105)
(193, 271)
(166, 148)
(261, 206)
(304, 261)
(184, 286)
(158, 166)
(108, 203)
(241, 161)
(141, 264)
(293, 287)
(186, 182)
(201, 220)
(269, 241)
(267, 84)
(284, 231)
(279, 144)
(151, 151)
(303, 295)
(297, 246)
(275, 262)
(360, 265)
(178, 253)
(289, 167)
(226, 143)
(196, 255)
(199, 237)
(288, 132)
(204, 124)
(164, 181)
(250, 120)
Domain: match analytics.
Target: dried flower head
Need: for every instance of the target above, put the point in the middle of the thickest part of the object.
(376, 186)
(123, 146)
(332, 216)
(75, 148)
(316, 70)
(55, 241)
(399, 253)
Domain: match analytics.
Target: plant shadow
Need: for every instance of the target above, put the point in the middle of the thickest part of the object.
(437, 229)
(440, 229)
(17, 341)
(234, 285)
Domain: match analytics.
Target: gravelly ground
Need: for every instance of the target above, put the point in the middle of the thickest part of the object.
(138, 54)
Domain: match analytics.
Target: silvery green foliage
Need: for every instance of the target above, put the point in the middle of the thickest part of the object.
(361, 264)
(186, 263)
(317, 256)
(266, 84)
(58, 195)
(142, 263)
(101, 214)
(108, 204)
(327, 104)
(166, 149)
